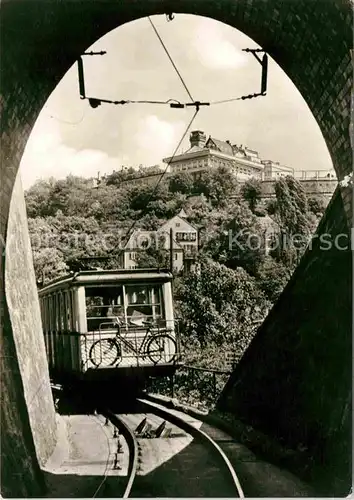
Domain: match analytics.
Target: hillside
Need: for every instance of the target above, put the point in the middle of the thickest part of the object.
(248, 248)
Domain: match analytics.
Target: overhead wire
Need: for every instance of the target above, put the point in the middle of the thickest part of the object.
(170, 58)
(173, 103)
(242, 98)
(67, 122)
(132, 101)
(127, 236)
(128, 233)
(225, 100)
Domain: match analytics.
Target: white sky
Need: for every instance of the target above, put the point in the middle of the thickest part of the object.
(71, 137)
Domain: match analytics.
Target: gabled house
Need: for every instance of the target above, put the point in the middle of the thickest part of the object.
(186, 236)
(182, 234)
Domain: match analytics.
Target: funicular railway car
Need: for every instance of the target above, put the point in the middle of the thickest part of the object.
(102, 323)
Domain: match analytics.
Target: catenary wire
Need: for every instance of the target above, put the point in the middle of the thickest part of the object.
(66, 121)
(225, 101)
(128, 233)
(170, 58)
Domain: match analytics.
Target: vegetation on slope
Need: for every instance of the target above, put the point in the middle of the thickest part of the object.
(248, 247)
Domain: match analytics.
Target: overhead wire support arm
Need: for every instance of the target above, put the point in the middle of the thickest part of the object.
(80, 67)
(197, 104)
(173, 103)
(95, 102)
(100, 53)
(264, 63)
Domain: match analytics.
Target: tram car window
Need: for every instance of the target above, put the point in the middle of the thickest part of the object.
(103, 304)
(143, 303)
(79, 317)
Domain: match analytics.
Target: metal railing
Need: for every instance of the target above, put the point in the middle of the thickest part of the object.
(192, 385)
(107, 347)
(130, 345)
(205, 379)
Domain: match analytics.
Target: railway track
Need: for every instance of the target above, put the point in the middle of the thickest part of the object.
(152, 447)
(156, 451)
(170, 456)
(132, 444)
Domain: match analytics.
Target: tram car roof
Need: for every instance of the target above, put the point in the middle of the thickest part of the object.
(107, 277)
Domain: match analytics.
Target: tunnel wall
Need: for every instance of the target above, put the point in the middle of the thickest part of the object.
(20, 472)
(41, 39)
(28, 426)
(295, 380)
(25, 318)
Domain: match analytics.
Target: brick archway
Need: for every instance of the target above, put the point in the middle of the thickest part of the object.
(40, 39)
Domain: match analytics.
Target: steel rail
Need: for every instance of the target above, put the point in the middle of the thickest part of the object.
(198, 433)
(132, 444)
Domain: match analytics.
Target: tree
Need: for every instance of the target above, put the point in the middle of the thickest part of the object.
(48, 264)
(292, 205)
(251, 192)
(37, 198)
(217, 185)
(198, 209)
(223, 185)
(237, 240)
(119, 176)
(181, 182)
(156, 256)
(295, 221)
(317, 205)
(219, 305)
(272, 277)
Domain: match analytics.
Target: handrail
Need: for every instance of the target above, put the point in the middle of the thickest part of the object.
(210, 370)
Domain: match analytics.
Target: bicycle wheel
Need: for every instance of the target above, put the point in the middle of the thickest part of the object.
(161, 348)
(105, 352)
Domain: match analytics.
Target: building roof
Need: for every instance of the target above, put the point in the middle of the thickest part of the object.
(178, 216)
(108, 277)
(222, 146)
(194, 149)
(182, 214)
(243, 153)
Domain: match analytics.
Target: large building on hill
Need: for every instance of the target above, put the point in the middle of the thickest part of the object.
(272, 170)
(205, 153)
(208, 153)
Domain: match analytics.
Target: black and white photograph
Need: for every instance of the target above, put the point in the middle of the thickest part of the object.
(176, 248)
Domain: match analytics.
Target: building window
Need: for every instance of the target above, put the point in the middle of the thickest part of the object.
(176, 256)
(178, 224)
(186, 236)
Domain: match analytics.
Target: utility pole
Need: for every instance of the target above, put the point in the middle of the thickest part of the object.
(171, 250)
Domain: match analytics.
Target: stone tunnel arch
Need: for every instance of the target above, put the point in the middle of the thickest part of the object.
(311, 41)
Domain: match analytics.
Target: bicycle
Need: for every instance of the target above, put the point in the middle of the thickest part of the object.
(155, 346)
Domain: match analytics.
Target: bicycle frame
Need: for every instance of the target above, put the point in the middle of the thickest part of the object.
(120, 338)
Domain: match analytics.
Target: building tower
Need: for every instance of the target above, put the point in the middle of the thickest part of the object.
(197, 138)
